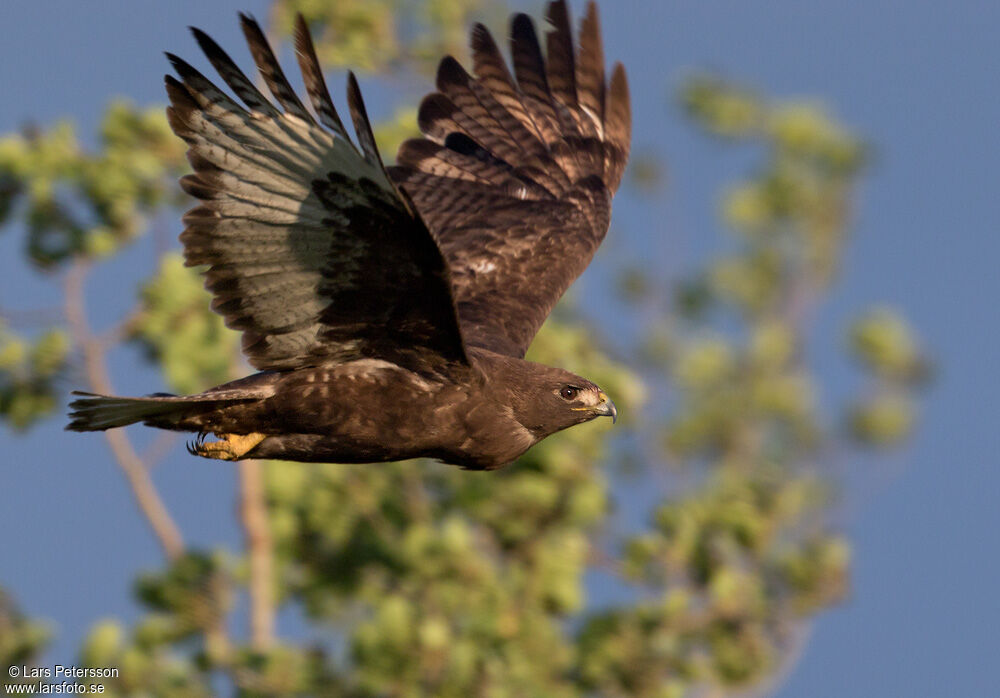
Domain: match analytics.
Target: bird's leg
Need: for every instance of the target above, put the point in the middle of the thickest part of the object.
(229, 447)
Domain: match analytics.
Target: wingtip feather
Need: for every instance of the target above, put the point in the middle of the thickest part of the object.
(312, 76)
(362, 125)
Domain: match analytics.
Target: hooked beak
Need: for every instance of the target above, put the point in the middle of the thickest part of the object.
(607, 408)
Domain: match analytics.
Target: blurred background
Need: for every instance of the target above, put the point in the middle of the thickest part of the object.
(800, 499)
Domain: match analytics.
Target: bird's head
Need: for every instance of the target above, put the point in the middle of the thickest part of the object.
(553, 399)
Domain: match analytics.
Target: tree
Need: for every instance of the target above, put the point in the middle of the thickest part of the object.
(441, 582)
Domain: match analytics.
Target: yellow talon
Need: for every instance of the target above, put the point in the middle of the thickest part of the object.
(229, 447)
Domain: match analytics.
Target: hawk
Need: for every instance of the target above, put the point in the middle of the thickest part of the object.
(388, 309)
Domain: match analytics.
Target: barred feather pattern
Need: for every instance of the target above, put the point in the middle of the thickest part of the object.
(312, 251)
(516, 170)
(92, 412)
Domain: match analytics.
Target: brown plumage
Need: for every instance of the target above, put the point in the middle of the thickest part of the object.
(389, 309)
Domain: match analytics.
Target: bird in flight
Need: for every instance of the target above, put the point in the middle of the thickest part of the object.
(388, 309)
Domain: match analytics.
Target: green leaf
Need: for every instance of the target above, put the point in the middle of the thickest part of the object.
(177, 328)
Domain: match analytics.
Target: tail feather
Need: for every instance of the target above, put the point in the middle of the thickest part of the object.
(94, 412)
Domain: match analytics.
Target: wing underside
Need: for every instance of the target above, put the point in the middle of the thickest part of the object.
(312, 251)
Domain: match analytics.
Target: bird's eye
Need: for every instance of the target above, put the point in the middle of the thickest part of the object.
(569, 392)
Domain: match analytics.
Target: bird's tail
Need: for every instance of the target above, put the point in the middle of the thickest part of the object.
(93, 412)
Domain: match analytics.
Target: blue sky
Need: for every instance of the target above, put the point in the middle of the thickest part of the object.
(917, 78)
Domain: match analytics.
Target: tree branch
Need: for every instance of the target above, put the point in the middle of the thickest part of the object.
(257, 536)
(159, 449)
(122, 330)
(132, 466)
(253, 512)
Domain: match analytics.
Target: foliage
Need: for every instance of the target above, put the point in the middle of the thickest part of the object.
(178, 330)
(29, 373)
(391, 133)
(77, 203)
(381, 35)
(21, 639)
(735, 566)
(431, 581)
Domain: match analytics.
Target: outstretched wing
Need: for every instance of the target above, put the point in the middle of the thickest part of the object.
(516, 174)
(311, 250)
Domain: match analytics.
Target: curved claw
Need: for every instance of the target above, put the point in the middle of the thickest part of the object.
(195, 445)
